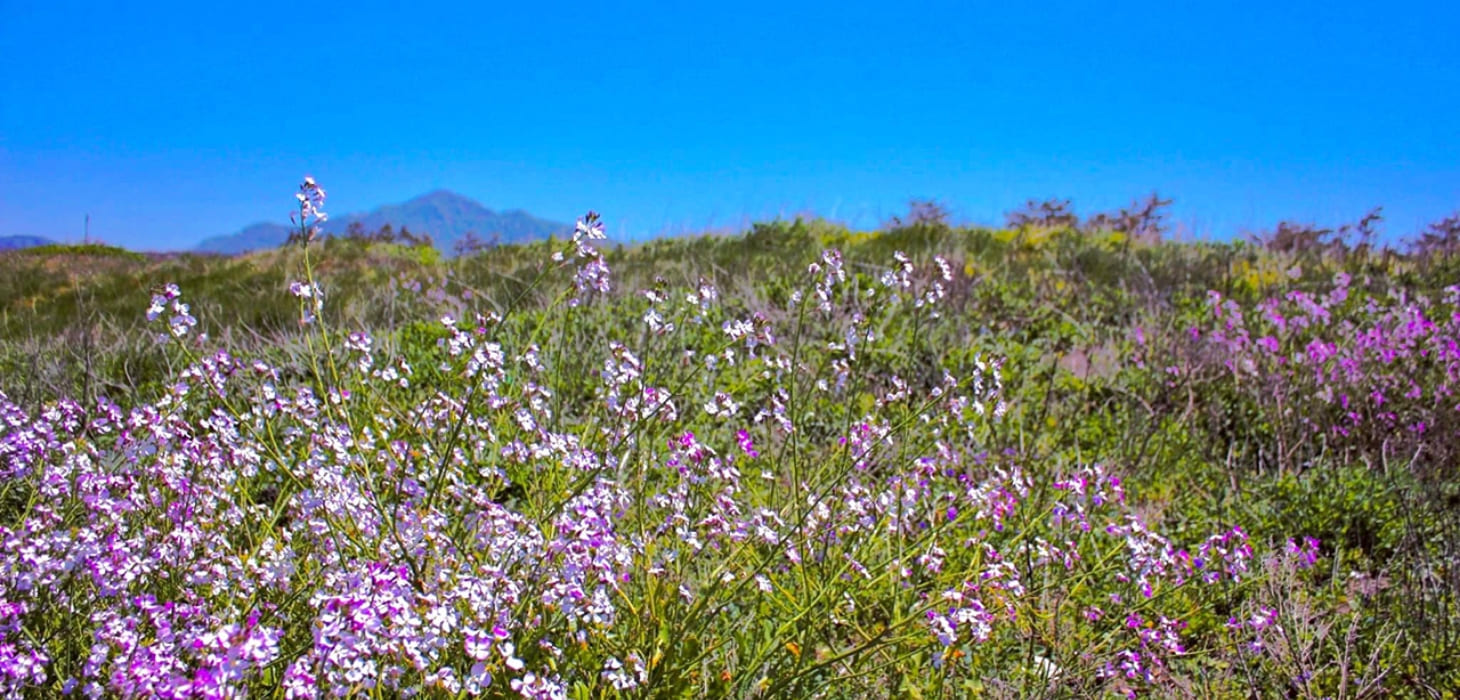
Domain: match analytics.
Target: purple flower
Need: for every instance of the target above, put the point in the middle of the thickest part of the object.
(746, 445)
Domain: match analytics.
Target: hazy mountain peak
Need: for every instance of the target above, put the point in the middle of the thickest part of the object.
(443, 215)
(18, 242)
(444, 196)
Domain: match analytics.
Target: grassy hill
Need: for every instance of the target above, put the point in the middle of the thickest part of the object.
(1063, 458)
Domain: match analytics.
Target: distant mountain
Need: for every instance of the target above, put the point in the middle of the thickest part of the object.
(445, 216)
(255, 237)
(18, 242)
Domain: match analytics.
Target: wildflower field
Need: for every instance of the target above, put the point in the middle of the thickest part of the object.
(1061, 459)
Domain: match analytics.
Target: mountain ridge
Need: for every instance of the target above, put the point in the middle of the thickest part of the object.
(19, 242)
(445, 216)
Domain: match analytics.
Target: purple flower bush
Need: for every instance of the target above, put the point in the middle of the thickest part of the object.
(1372, 374)
(734, 506)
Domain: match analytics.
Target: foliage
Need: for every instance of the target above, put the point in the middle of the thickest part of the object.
(1064, 459)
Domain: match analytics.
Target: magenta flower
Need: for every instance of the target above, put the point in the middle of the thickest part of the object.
(746, 445)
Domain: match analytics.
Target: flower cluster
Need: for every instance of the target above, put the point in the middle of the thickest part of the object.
(1372, 372)
(181, 321)
(713, 518)
(592, 274)
(310, 213)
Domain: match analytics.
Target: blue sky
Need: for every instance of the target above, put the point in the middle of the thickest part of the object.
(170, 122)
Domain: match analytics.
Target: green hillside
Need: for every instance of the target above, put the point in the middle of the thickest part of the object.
(1064, 458)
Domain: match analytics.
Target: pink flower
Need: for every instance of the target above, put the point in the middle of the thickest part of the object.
(746, 445)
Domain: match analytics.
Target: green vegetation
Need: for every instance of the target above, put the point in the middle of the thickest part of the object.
(1059, 459)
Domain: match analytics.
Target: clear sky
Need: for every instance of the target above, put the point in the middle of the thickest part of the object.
(170, 122)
